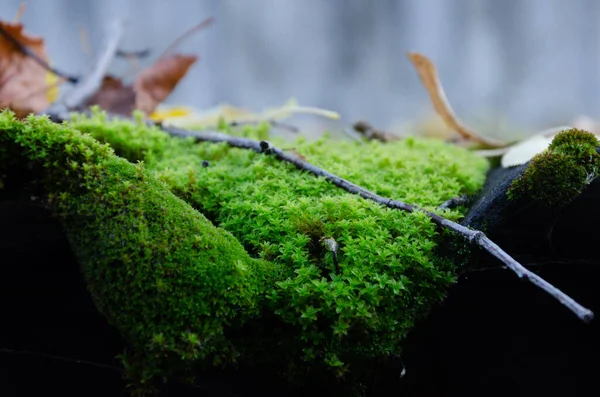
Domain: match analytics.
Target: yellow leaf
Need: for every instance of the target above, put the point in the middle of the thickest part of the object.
(52, 82)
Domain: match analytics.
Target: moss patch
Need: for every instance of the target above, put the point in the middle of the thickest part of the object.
(183, 290)
(559, 174)
(389, 272)
(158, 270)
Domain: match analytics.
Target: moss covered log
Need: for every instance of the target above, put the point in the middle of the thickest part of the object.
(259, 282)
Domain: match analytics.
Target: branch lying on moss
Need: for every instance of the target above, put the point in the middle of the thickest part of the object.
(473, 236)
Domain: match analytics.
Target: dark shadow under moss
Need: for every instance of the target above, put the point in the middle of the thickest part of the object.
(492, 336)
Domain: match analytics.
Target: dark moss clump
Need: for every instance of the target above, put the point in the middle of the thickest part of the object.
(559, 174)
(160, 272)
(575, 142)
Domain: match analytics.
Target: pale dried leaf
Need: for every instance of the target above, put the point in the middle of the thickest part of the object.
(523, 151)
(428, 75)
(586, 123)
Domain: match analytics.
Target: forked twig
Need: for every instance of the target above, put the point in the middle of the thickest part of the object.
(185, 35)
(92, 82)
(472, 236)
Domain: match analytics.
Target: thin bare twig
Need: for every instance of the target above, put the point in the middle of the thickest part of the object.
(93, 80)
(185, 35)
(28, 53)
(472, 236)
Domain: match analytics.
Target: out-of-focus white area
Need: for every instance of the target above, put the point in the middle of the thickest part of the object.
(507, 66)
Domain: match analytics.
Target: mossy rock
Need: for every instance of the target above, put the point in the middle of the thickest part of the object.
(519, 207)
(255, 283)
(559, 174)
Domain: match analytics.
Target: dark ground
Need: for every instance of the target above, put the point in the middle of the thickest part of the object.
(493, 336)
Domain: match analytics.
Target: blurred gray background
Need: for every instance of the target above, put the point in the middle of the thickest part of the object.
(504, 63)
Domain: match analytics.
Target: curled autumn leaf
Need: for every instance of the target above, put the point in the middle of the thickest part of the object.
(25, 85)
(429, 77)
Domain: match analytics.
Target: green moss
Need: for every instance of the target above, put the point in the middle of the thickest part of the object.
(390, 272)
(160, 272)
(184, 291)
(559, 174)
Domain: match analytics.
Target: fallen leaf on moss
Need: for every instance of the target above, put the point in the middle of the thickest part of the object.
(429, 77)
(25, 86)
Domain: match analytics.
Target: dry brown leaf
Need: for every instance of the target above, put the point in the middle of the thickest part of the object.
(114, 97)
(154, 84)
(428, 74)
(23, 82)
